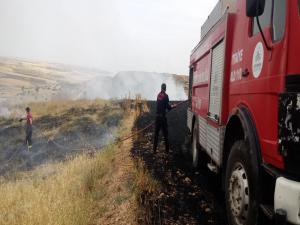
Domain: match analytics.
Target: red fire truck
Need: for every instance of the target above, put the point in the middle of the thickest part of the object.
(244, 110)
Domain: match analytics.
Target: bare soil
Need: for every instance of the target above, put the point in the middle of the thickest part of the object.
(187, 196)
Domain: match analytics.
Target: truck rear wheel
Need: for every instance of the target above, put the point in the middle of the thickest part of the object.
(240, 186)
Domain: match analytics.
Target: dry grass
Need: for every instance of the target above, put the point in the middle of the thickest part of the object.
(53, 108)
(59, 106)
(128, 182)
(66, 197)
(104, 189)
(145, 181)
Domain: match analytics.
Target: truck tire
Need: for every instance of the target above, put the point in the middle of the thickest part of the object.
(195, 146)
(241, 184)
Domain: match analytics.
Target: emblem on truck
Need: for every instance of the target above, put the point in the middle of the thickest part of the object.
(258, 60)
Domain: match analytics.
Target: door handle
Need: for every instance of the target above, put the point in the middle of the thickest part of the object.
(245, 72)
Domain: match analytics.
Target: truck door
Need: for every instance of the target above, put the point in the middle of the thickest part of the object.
(216, 82)
(257, 73)
(261, 66)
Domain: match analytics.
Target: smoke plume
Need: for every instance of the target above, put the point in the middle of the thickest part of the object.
(132, 83)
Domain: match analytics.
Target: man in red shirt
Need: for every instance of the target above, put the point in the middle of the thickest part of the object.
(28, 127)
(162, 105)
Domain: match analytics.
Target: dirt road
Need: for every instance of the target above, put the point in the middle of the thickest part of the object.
(187, 196)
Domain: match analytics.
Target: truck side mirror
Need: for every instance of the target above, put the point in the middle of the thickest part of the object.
(255, 8)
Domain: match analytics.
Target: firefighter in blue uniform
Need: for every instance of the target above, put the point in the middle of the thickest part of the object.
(162, 105)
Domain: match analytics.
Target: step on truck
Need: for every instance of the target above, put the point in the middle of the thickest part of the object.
(244, 107)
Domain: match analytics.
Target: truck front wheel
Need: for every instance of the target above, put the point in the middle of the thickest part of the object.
(240, 186)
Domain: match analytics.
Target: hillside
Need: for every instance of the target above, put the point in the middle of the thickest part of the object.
(27, 81)
(24, 81)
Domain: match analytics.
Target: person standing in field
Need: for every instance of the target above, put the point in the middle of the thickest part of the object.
(28, 127)
(162, 105)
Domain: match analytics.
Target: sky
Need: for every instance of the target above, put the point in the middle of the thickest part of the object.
(112, 35)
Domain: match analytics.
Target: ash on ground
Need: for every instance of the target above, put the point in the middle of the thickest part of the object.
(57, 137)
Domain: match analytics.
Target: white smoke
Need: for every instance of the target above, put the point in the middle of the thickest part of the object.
(132, 83)
(4, 112)
(102, 85)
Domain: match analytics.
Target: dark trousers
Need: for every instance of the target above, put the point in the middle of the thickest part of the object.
(161, 123)
(28, 135)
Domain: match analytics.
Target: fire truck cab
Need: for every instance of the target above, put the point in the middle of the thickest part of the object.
(244, 106)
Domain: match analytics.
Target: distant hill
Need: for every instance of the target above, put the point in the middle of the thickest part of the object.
(23, 81)
(27, 81)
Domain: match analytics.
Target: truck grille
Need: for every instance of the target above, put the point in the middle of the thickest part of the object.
(289, 129)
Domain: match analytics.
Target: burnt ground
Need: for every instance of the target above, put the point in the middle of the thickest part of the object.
(187, 196)
(78, 130)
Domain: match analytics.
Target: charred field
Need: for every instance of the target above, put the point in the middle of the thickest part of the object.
(181, 194)
(185, 195)
(122, 183)
(61, 130)
(64, 179)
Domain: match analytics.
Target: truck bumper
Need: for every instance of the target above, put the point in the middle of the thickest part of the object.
(287, 198)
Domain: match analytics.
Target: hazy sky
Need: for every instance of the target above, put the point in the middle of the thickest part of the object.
(114, 35)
